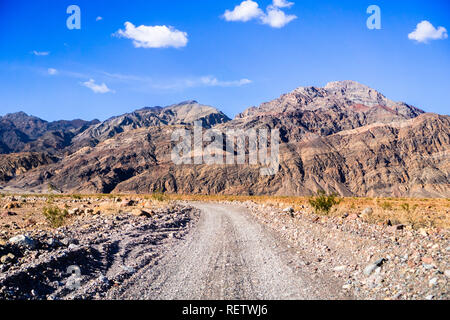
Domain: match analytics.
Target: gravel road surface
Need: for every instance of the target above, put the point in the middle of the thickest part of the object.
(228, 255)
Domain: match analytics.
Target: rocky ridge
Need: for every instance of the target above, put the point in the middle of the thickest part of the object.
(345, 138)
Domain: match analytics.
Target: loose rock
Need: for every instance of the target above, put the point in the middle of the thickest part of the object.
(23, 241)
(7, 258)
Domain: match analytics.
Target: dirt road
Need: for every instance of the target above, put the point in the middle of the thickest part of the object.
(228, 255)
(226, 250)
(212, 251)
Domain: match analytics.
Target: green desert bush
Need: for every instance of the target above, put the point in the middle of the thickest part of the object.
(51, 188)
(386, 205)
(322, 203)
(405, 207)
(159, 196)
(50, 199)
(55, 216)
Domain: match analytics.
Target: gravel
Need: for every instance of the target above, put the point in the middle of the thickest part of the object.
(228, 256)
(226, 250)
(411, 260)
(91, 258)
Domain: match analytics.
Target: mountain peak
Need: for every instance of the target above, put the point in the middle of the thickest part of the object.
(187, 102)
(346, 84)
(345, 96)
(19, 113)
(183, 113)
(18, 116)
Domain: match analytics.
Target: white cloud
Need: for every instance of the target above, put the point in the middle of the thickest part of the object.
(282, 4)
(205, 81)
(425, 31)
(154, 36)
(97, 88)
(52, 71)
(179, 83)
(249, 10)
(244, 12)
(41, 53)
(277, 18)
(214, 82)
(98, 18)
(125, 77)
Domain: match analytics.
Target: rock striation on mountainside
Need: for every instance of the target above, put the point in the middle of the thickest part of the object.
(338, 106)
(345, 138)
(183, 113)
(340, 95)
(13, 165)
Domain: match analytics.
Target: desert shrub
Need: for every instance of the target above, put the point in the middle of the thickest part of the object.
(50, 199)
(386, 205)
(322, 203)
(51, 188)
(55, 216)
(159, 196)
(405, 207)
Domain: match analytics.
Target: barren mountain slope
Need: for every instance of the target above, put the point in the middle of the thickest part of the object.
(16, 164)
(407, 159)
(20, 132)
(183, 113)
(344, 138)
(341, 105)
(400, 159)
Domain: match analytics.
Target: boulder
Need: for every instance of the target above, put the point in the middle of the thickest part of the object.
(288, 210)
(23, 241)
(126, 203)
(373, 266)
(367, 212)
(74, 211)
(7, 258)
(141, 213)
(6, 214)
(11, 205)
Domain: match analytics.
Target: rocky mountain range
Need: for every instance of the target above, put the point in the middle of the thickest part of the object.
(345, 138)
(21, 132)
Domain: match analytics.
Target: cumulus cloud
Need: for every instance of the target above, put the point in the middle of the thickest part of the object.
(277, 18)
(244, 12)
(282, 4)
(41, 53)
(98, 18)
(154, 36)
(425, 31)
(97, 88)
(52, 71)
(249, 10)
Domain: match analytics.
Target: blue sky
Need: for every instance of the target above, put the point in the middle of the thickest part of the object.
(52, 72)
